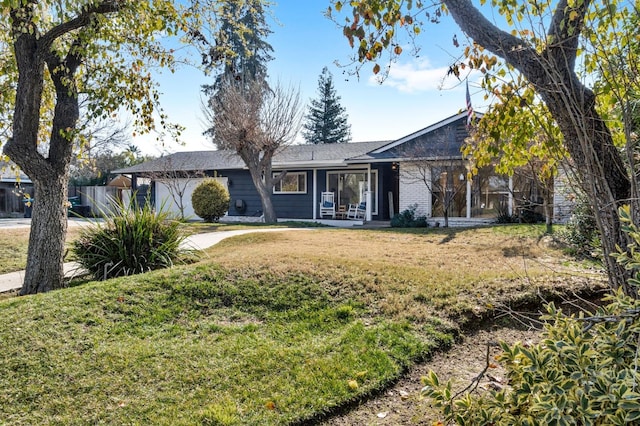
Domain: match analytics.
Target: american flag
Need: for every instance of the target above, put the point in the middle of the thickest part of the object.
(469, 108)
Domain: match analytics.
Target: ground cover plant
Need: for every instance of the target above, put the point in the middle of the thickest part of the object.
(584, 371)
(273, 328)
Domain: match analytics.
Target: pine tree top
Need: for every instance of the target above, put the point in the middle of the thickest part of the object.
(327, 120)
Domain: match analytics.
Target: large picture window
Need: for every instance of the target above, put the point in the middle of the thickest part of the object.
(292, 183)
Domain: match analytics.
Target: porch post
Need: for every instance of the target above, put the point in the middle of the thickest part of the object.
(510, 196)
(367, 194)
(468, 198)
(315, 193)
(429, 193)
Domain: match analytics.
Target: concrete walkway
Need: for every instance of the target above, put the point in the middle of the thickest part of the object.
(13, 280)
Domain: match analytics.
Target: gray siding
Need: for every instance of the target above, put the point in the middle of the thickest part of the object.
(241, 188)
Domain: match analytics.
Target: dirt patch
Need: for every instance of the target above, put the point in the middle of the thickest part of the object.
(402, 404)
(462, 363)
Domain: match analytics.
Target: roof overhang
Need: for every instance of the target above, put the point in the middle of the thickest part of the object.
(403, 159)
(310, 165)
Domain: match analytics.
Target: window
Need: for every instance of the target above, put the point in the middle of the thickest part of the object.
(449, 190)
(489, 194)
(292, 183)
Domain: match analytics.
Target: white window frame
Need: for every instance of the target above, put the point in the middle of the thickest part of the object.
(297, 174)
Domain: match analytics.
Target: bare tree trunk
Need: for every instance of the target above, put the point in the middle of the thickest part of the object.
(269, 211)
(46, 249)
(265, 197)
(49, 174)
(547, 207)
(601, 172)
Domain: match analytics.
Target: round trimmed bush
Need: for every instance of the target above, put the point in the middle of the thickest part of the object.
(210, 200)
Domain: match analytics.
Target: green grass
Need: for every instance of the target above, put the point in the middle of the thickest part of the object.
(195, 346)
(273, 328)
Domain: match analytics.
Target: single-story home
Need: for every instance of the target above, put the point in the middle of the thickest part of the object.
(424, 170)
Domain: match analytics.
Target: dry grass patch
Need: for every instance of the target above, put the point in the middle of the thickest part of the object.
(14, 243)
(447, 273)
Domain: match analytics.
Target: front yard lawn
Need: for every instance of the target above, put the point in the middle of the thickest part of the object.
(274, 328)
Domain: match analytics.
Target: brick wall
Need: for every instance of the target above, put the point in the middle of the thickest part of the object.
(563, 197)
(413, 191)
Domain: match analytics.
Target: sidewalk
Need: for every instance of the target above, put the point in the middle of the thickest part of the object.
(12, 281)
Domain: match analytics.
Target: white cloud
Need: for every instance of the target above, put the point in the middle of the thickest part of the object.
(416, 76)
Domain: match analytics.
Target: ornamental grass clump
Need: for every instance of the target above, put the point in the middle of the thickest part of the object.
(132, 240)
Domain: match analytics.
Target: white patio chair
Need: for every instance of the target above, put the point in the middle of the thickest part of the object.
(327, 205)
(357, 211)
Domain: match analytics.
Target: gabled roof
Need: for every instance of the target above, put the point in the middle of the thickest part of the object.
(320, 155)
(438, 141)
(188, 162)
(424, 131)
(443, 139)
(302, 156)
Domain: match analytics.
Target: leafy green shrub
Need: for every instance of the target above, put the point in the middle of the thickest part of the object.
(131, 240)
(581, 231)
(210, 200)
(583, 372)
(408, 219)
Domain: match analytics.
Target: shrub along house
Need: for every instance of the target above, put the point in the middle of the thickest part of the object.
(424, 170)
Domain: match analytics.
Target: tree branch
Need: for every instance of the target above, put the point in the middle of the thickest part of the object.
(486, 34)
(86, 15)
(564, 32)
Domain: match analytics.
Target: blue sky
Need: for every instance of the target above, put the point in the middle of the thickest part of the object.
(416, 94)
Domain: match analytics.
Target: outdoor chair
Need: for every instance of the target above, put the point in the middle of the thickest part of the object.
(357, 211)
(342, 212)
(327, 205)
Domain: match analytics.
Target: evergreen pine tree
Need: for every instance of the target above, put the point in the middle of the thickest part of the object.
(240, 44)
(326, 121)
